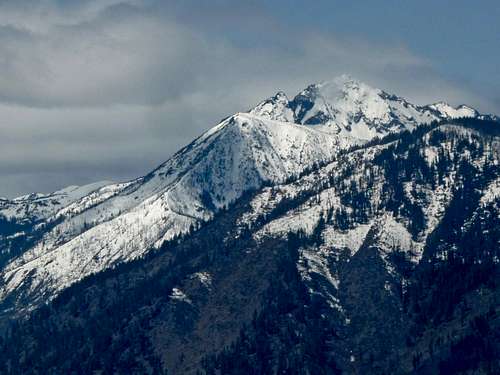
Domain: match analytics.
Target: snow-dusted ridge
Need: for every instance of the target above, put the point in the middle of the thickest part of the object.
(38, 206)
(351, 108)
(104, 224)
(239, 154)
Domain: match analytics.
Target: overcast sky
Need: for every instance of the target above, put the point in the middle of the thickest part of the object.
(106, 90)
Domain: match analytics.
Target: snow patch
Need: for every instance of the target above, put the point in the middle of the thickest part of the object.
(179, 295)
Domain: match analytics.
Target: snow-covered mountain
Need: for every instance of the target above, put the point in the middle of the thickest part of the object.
(351, 108)
(38, 206)
(123, 221)
(383, 260)
(289, 239)
(81, 231)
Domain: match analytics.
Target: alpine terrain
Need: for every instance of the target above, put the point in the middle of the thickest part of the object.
(341, 231)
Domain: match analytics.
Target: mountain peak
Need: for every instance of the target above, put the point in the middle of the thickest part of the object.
(448, 111)
(349, 107)
(283, 174)
(275, 108)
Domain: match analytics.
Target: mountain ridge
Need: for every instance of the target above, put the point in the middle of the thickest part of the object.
(344, 104)
(352, 267)
(120, 222)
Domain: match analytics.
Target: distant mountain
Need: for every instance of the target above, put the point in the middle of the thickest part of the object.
(38, 206)
(312, 235)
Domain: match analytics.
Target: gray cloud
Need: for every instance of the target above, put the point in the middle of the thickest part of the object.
(109, 89)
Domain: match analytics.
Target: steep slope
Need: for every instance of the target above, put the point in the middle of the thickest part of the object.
(277, 140)
(121, 222)
(339, 270)
(400, 255)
